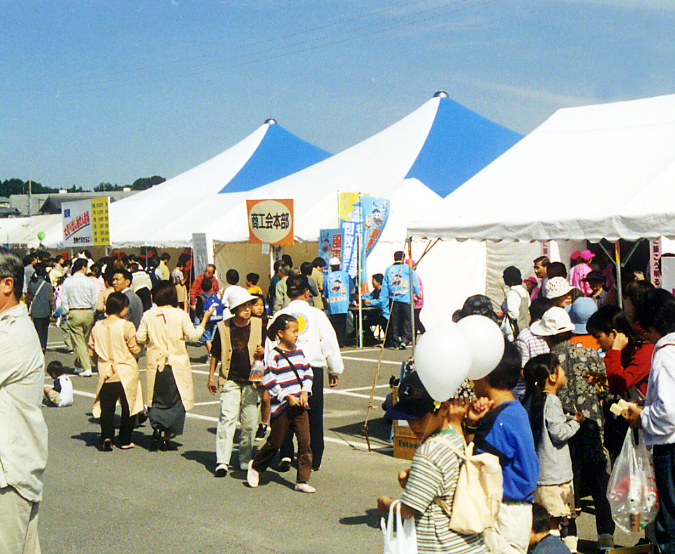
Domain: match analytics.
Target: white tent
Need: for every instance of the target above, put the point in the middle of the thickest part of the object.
(587, 173)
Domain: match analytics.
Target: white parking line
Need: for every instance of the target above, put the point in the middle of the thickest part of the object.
(359, 445)
(370, 360)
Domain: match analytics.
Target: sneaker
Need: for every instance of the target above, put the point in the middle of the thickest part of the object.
(285, 464)
(85, 373)
(252, 476)
(262, 431)
(305, 487)
(221, 470)
(605, 542)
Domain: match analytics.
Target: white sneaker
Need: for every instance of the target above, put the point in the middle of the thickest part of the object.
(305, 487)
(85, 373)
(221, 470)
(252, 476)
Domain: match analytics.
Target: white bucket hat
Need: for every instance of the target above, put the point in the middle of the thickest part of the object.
(556, 287)
(238, 296)
(555, 321)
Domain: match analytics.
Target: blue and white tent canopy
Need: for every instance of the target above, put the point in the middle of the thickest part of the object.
(268, 154)
(414, 162)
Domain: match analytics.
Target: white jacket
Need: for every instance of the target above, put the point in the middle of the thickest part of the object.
(658, 415)
(316, 338)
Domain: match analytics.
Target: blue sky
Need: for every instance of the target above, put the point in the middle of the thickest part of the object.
(105, 90)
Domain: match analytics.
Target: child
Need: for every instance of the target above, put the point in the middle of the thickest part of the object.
(551, 430)
(258, 310)
(288, 378)
(434, 471)
(252, 284)
(501, 427)
(204, 303)
(61, 394)
(112, 345)
(541, 540)
(236, 344)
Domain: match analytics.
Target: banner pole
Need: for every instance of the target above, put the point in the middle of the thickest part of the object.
(359, 246)
(412, 295)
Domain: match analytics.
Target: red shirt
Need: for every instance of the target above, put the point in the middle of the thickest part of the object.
(625, 370)
(196, 288)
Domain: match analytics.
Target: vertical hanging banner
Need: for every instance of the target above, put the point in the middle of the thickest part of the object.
(375, 213)
(270, 221)
(349, 213)
(202, 251)
(86, 223)
(655, 251)
(330, 245)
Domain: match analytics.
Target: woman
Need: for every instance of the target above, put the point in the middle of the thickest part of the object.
(628, 355)
(41, 303)
(165, 328)
(112, 345)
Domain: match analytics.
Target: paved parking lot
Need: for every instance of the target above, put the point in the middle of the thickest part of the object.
(159, 502)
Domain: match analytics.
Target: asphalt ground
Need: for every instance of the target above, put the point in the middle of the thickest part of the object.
(160, 502)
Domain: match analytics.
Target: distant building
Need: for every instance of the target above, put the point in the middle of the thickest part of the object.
(50, 203)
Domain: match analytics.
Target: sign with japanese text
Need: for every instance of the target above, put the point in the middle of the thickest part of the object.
(86, 223)
(330, 245)
(655, 251)
(270, 221)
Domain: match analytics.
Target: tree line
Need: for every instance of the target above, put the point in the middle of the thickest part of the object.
(18, 186)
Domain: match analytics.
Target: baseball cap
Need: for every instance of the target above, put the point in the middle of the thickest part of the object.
(575, 255)
(414, 401)
(333, 261)
(530, 280)
(587, 255)
(554, 321)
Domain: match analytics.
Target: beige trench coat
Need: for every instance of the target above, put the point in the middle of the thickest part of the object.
(112, 345)
(165, 330)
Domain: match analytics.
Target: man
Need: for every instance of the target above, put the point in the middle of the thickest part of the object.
(23, 439)
(375, 300)
(29, 263)
(196, 288)
(178, 278)
(318, 341)
(338, 288)
(540, 268)
(272, 291)
(121, 283)
(306, 269)
(516, 304)
(162, 270)
(232, 280)
(78, 302)
(281, 299)
(396, 287)
(317, 274)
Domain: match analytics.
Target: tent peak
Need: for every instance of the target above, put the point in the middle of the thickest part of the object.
(270, 121)
(441, 94)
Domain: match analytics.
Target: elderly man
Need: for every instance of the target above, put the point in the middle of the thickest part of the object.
(196, 288)
(78, 302)
(23, 438)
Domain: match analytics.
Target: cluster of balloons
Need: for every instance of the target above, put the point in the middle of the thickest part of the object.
(446, 356)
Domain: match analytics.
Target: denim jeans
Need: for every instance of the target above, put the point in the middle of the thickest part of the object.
(664, 472)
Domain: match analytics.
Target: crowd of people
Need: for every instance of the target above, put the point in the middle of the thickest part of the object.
(570, 352)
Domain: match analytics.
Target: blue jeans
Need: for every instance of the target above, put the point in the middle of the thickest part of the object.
(664, 472)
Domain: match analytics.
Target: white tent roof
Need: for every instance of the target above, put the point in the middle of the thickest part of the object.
(592, 172)
(427, 143)
(23, 231)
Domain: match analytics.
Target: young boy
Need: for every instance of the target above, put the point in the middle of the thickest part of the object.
(498, 424)
(204, 302)
(61, 394)
(434, 470)
(541, 540)
(252, 283)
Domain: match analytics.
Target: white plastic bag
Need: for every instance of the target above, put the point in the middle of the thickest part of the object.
(632, 489)
(403, 540)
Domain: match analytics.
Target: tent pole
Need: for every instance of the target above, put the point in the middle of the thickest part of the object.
(412, 296)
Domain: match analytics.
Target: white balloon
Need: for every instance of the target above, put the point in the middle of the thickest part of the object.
(486, 342)
(442, 360)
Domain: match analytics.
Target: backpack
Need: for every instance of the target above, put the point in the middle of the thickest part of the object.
(478, 494)
(213, 300)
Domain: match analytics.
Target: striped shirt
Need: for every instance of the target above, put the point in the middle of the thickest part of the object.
(280, 380)
(434, 472)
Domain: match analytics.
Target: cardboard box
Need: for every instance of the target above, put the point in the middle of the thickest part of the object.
(404, 440)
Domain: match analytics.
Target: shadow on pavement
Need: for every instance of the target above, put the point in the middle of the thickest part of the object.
(371, 519)
(204, 457)
(89, 438)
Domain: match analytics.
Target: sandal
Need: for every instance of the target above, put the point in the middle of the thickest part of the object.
(127, 446)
